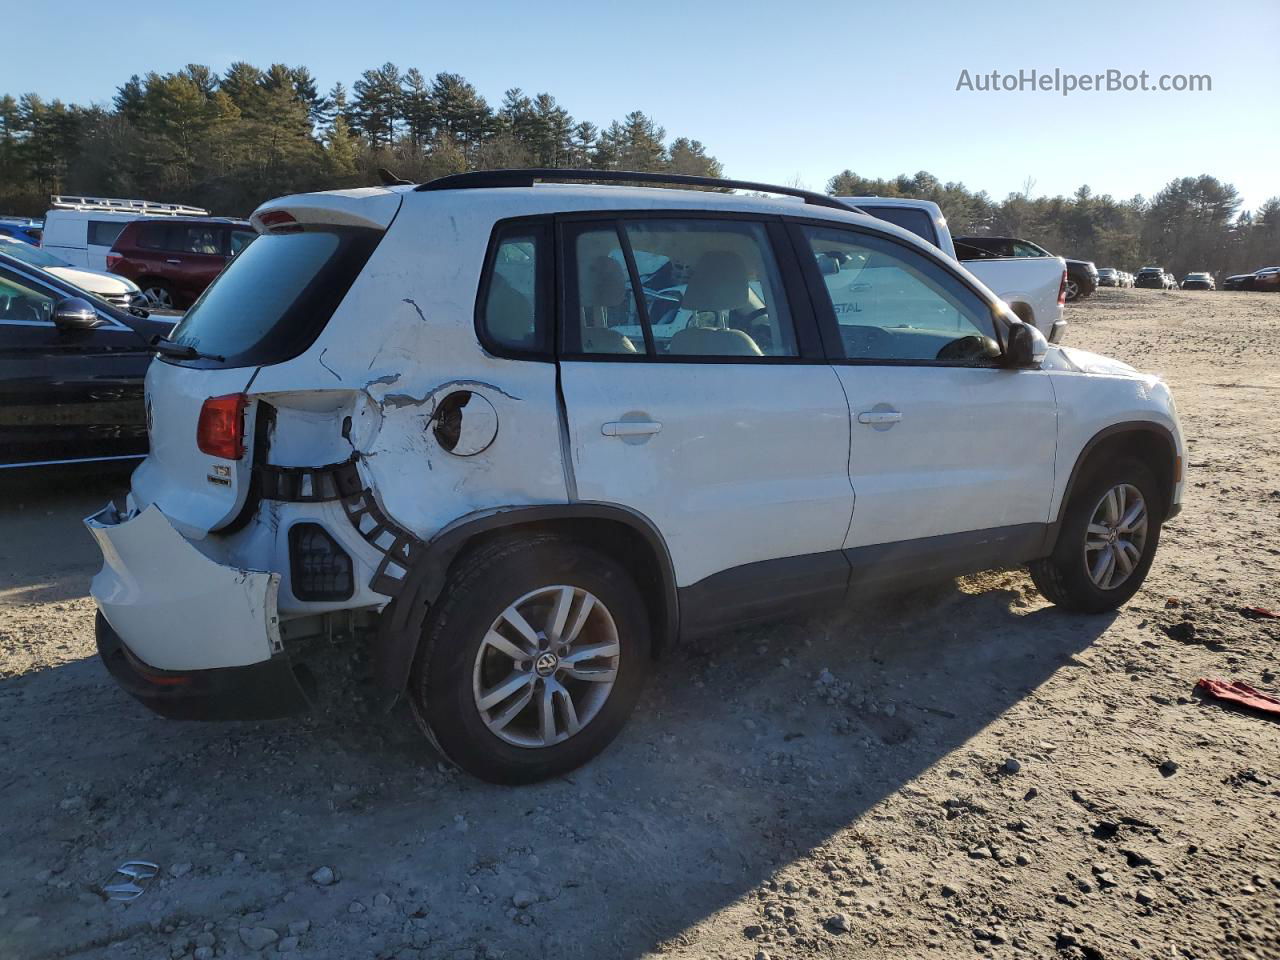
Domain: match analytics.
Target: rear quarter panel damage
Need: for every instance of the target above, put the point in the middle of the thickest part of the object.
(402, 341)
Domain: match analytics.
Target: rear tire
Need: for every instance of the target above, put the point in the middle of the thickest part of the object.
(498, 626)
(1104, 551)
(1073, 290)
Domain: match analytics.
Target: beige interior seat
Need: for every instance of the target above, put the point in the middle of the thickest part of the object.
(602, 287)
(718, 284)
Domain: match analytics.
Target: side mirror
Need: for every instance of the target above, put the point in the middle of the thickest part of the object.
(1025, 346)
(76, 313)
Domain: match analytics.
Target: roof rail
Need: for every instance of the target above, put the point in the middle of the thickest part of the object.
(527, 177)
(113, 205)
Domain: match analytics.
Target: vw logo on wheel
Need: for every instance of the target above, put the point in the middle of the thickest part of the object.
(546, 664)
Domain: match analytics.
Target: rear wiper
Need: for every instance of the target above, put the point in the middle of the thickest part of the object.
(181, 351)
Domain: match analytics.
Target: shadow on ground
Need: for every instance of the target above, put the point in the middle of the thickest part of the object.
(742, 757)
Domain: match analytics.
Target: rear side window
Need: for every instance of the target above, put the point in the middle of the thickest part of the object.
(511, 310)
(153, 236)
(273, 300)
(103, 233)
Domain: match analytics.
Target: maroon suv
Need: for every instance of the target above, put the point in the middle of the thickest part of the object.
(174, 258)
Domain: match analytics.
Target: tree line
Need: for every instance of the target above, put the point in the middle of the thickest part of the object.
(1192, 223)
(230, 141)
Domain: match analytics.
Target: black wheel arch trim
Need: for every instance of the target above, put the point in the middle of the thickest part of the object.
(400, 626)
(1115, 429)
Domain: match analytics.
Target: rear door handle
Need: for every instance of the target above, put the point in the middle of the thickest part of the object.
(173, 261)
(630, 428)
(879, 416)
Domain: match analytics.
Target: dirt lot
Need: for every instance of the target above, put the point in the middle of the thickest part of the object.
(823, 787)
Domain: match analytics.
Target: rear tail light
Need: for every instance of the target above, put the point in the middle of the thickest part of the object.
(1062, 289)
(113, 260)
(220, 430)
(319, 568)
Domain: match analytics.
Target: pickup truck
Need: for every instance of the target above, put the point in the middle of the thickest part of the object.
(1033, 286)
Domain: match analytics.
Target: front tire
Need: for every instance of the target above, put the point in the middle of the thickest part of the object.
(1107, 541)
(532, 660)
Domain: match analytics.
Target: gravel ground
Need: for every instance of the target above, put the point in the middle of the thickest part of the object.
(959, 770)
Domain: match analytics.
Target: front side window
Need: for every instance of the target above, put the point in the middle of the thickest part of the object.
(891, 304)
(22, 303)
(513, 291)
(667, 288)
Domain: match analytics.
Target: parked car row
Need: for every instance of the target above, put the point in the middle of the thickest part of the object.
(1198, 281)
(1266, 278)
(119, 291)
(1111, 277)
(170, 251)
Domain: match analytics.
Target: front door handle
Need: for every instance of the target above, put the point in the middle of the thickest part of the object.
(879, 416)
(630, 428)
(173, 261)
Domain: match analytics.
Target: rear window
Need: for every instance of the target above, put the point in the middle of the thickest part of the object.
(273, 300)
(908, 218)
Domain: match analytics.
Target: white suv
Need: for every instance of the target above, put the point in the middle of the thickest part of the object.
(520, 438)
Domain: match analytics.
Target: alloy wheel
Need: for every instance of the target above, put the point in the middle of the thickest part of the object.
(546, 666)
(159, 296)
(1116, 536)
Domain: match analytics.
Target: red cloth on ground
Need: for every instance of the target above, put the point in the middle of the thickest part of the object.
(1240, 693)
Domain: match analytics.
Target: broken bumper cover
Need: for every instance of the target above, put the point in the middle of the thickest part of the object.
(187, 635)
(261, 691)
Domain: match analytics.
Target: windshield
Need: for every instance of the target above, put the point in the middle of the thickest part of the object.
(29, 254)
(275, 297)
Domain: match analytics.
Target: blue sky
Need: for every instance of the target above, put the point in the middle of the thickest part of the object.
(776, 90)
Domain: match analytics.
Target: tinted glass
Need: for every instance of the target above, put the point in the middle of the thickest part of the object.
(273, 300)
(196, 238)
(104, 232)
(153, 236)
(1021, 248)
(22, 303)
(917, 221)
(893, 305)
(511, 310)
(241, 239)
(29, 254)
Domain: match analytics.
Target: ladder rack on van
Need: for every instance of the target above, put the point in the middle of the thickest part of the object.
(144, 208)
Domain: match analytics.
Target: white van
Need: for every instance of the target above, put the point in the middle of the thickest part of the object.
(81, 230)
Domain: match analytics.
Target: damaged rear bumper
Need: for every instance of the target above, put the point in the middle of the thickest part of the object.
(260, 691)
(184, 634)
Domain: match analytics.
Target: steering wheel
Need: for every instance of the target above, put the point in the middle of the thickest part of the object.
(972, 347)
